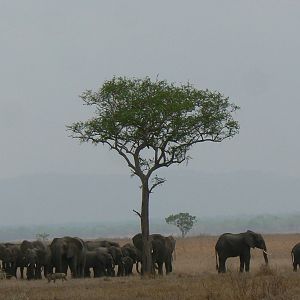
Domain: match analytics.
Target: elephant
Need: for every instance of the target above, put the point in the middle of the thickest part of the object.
(93, 244)
(101, 261)
(12, 259)
(68, 252)
(295, 253)
(129, 250)
(5, 257)
(37, 255)
(232, 245)
(112, 248)
(162, 250)
(128, 263)
(117, 255)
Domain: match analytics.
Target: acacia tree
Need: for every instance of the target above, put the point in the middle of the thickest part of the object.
(153, 124)
(184, 221)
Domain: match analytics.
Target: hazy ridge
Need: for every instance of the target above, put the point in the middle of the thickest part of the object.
(101, 205)
(204, 226)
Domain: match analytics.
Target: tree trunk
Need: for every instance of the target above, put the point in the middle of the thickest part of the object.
(146, 255)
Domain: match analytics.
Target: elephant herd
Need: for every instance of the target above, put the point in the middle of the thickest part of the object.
(100, 258)
(83, 257)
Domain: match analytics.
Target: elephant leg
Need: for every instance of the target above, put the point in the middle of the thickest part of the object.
(97, 272)
(15, 271)
(87, 272)
(29, 273)
(247, 262)
(120, 269)
(130, 270)
(101, 271)
(242, 263)
(22, 272)
(78, 271)
(73, 268)
(38, 272)
(160, 268)
(168, 265)
(110, 270)
(294, 267)
(222, 268)
(64, 267)
(9, 269)
(46, 270)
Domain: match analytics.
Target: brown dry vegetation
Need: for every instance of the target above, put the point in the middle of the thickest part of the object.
(194, 277)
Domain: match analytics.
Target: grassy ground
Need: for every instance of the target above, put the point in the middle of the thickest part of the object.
(194, 277)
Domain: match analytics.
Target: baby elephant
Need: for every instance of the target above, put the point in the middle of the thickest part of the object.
(128, 265)
(55, 276)
(296, 256)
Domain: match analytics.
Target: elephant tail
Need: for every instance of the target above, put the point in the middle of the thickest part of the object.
(217, 265)
(292, 255)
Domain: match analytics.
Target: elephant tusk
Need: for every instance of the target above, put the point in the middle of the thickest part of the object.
(266, 252)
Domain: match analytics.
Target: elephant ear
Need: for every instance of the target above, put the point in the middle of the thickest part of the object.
(137, 241)
(75, 246)
(249, 239)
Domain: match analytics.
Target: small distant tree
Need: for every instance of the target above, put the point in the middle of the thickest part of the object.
(42, 236)
(184, 221)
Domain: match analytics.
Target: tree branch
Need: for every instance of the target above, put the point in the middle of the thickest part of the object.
(136, 212)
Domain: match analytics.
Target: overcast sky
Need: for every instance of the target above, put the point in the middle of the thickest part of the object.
(51, 51)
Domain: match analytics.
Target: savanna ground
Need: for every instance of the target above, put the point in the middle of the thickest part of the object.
(194, 277)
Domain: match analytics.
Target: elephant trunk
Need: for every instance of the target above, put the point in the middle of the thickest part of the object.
(266, 257)
(265, 254)
(137, 267)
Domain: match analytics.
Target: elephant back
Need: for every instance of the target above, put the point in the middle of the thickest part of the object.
(108, 244)
(94, 244)
(137, 241)
(155, 239)
(14, 249)
(25, 245)
(56, 246)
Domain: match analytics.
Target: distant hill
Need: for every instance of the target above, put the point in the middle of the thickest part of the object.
(208, 226)
(84, 199)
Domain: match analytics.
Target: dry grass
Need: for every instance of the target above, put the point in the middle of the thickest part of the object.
(194, 277)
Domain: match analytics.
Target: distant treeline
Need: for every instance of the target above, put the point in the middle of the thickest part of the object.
(205, 226)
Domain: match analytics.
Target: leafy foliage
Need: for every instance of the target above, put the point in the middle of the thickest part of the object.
(154, 124)
(184, 221)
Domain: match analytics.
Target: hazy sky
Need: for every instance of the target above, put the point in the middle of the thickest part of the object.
(51, 51)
